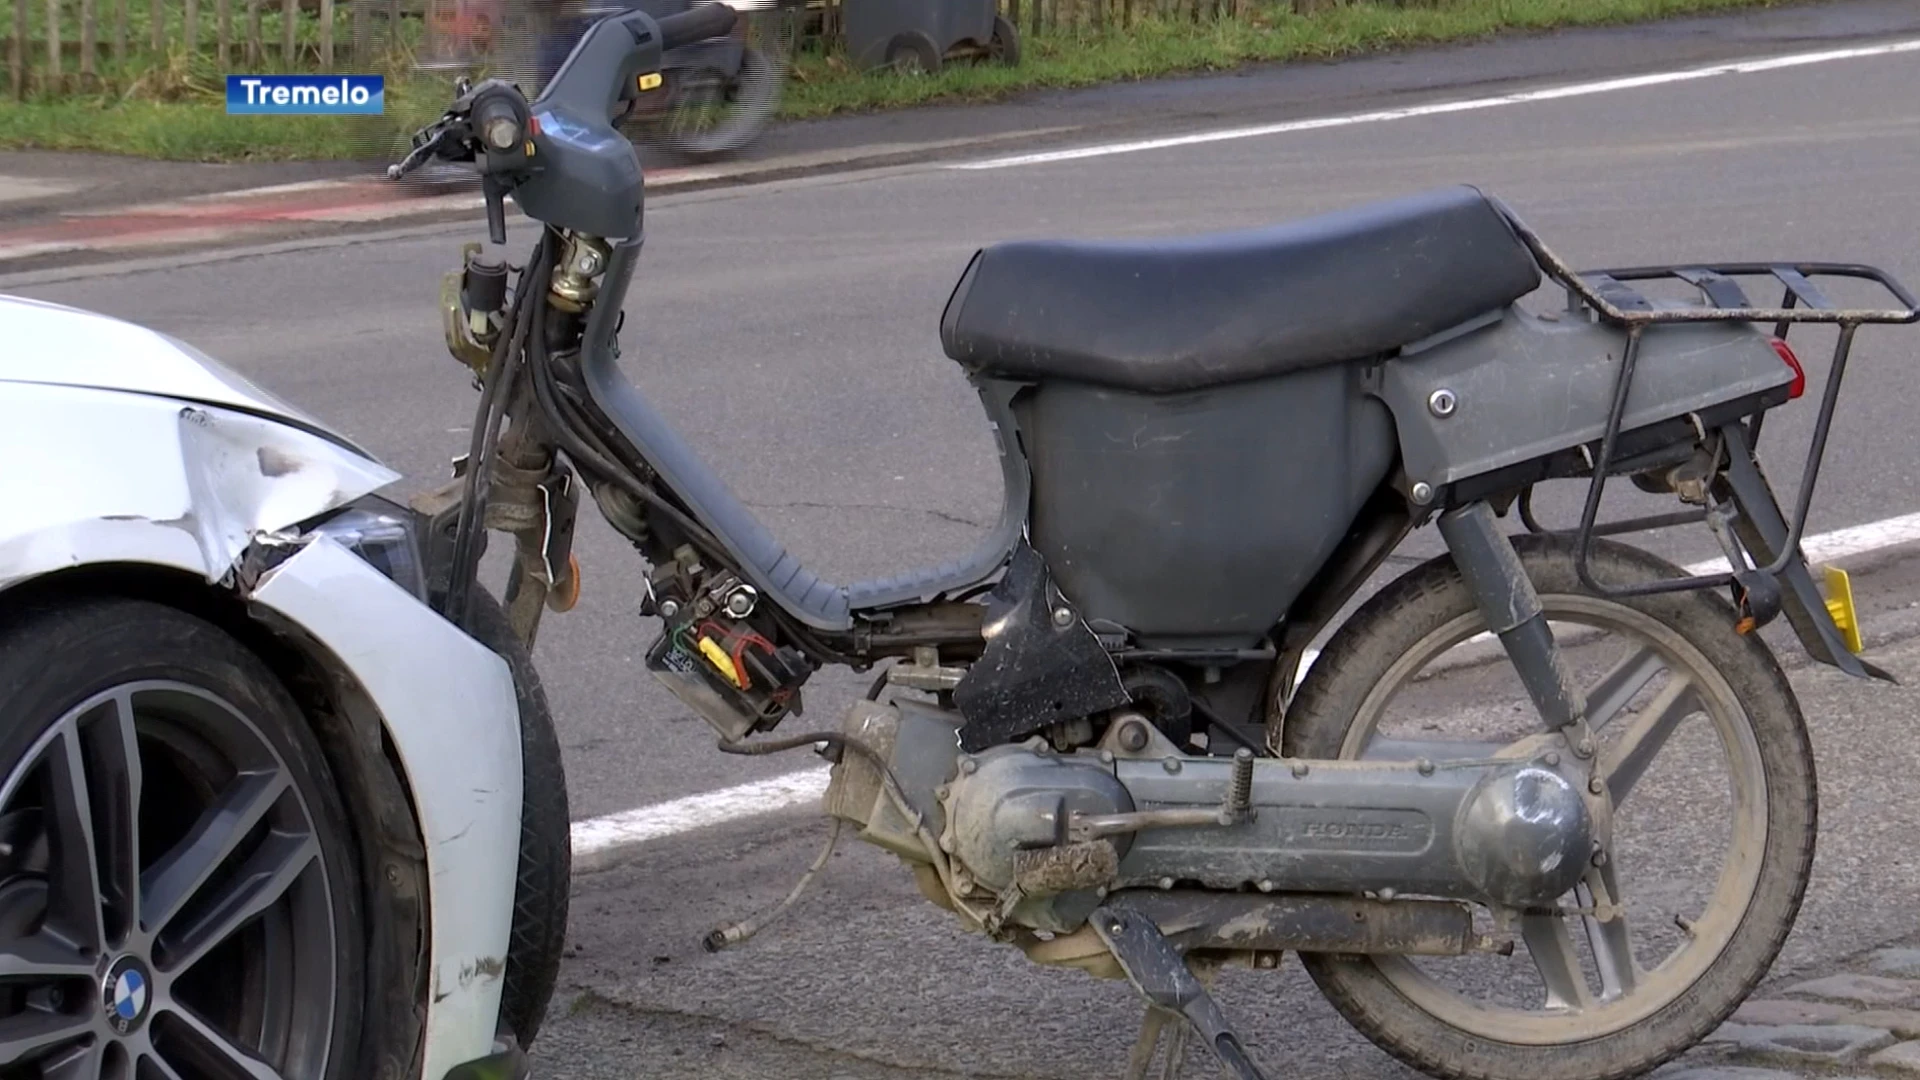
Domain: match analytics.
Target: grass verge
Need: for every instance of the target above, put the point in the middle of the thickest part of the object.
(822, 85)
(199, 128)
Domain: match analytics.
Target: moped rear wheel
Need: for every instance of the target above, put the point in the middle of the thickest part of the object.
(1706, 756)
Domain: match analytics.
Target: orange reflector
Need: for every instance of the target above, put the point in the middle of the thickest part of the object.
(564, 598)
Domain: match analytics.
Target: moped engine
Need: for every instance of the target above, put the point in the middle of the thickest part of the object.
(1025, 836)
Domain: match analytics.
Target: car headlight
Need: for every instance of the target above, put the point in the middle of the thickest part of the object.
(384, 534)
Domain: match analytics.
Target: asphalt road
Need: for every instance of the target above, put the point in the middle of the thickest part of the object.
(789, 330)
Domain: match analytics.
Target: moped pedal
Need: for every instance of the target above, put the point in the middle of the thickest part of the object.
(1162, 976)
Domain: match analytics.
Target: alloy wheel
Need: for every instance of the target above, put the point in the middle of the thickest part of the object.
(164, 905)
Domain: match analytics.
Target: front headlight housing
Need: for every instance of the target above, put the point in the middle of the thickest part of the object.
(384, 534)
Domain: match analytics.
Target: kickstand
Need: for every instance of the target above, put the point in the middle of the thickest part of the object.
(1162, 976)
(1157, 1027)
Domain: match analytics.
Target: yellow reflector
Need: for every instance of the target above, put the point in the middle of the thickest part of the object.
(648, 81)
(1840, 606)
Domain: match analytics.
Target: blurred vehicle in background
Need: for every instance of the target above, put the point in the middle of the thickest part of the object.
(715, 97)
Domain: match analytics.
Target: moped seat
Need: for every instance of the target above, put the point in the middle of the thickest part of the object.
(1160, 316)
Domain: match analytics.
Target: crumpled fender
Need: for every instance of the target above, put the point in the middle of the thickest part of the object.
(451, 712)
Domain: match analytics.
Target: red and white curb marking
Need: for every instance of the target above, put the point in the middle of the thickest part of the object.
(236, 215)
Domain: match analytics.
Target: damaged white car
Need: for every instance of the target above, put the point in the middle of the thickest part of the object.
(265, 813)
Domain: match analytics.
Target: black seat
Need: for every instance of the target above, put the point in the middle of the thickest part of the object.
(1158, 316)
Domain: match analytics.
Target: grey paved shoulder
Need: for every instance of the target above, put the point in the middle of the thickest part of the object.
(1854, 1018)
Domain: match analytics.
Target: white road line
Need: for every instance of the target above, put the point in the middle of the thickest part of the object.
(1844, 543)
(596, 838)
(1552, 93)
(275, 189)
(597, 842)
(32, 248)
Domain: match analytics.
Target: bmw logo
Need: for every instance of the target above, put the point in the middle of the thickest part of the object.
(125, 993)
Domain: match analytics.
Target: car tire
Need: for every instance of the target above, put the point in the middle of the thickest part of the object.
(178, 878)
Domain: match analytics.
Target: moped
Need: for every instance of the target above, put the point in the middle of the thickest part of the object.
(1092, 739)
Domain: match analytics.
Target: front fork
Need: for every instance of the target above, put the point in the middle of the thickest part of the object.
(535, 500)
(528, 494)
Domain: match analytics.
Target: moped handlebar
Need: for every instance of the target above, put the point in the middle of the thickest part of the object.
(559, 156)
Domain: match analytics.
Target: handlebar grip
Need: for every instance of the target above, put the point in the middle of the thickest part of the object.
(710, 20)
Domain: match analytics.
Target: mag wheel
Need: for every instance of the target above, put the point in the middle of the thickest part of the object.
(1705, 757)
(177, 879)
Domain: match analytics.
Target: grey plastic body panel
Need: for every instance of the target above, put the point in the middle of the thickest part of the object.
(587, 174)
(769, 565)
(1195, 519)
(1527, 386)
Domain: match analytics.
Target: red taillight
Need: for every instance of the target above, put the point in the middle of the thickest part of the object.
(1799, 384)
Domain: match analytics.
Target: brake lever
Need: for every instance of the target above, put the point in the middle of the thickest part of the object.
(411, 162)
(449, 133)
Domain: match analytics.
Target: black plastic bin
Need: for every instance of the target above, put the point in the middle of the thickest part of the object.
(917, 35)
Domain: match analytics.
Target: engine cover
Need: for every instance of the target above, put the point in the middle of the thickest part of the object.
(1041, 836)
(1012, 799)
(1509, 832)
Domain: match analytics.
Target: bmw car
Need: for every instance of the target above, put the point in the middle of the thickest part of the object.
(265, 814)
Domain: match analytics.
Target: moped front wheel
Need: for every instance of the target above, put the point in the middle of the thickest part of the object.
(1705, 755)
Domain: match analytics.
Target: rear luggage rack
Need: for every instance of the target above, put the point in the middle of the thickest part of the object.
(1610, 297)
